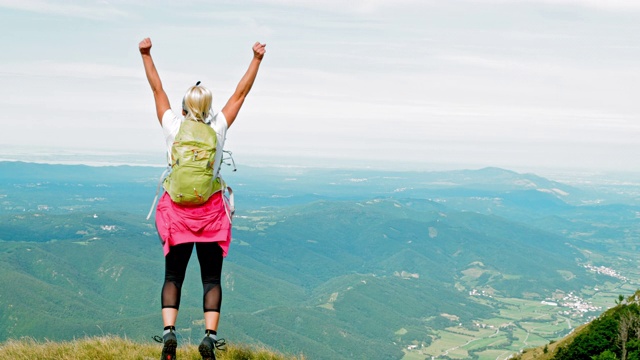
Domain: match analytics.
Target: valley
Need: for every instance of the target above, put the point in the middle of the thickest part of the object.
(327, 262)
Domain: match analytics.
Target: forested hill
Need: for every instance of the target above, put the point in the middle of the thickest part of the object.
(324, 262)
(615, 334)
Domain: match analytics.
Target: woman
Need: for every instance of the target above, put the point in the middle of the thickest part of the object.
(175, 222)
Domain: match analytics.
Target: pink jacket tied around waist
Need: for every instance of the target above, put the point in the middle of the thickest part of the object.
(208, 222)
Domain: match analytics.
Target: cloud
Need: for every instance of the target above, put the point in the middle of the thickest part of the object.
(486, 81)
(79, 70)
(372, 6)
(99, 10)
(357, 6)
(613, 5)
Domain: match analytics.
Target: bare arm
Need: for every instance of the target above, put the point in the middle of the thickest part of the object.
(160, 97)
(231, 109)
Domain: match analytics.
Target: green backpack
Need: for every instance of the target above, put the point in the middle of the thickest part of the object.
(194, 175)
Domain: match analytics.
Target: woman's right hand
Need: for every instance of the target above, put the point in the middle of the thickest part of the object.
(145, 46)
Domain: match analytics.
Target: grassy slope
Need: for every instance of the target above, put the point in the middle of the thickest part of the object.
(111, 347)
(539, 354)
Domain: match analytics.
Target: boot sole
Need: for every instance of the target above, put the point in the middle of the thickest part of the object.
(206, 352)
(169, 350)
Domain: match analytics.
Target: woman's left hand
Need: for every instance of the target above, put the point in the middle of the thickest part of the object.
(145, 46)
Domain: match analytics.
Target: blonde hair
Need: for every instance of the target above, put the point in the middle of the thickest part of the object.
(197, 103)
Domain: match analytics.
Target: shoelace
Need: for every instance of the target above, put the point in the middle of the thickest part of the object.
(220, 344)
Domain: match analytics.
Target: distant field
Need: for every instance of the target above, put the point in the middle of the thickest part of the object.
(522, 324)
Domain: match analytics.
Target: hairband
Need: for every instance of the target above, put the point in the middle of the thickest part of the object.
(184, 107)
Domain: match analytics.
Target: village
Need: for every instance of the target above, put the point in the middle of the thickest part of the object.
(573, 304)
(605, 271)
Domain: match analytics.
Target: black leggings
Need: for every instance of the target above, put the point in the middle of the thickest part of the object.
(210, 259)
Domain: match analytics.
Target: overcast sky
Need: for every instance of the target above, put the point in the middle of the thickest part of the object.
(455, 83)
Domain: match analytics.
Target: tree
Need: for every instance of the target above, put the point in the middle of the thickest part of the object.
(605, 355)
(624, 325)
(633, 348)
(620, 299)
(628, 325)
(600, 336)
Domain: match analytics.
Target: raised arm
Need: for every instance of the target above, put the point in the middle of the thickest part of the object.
(160, 97)
(231, 109)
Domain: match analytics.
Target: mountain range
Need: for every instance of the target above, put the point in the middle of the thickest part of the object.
(332, 263)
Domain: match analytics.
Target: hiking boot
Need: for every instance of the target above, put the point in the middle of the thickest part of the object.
(169, 347)
(207, 347)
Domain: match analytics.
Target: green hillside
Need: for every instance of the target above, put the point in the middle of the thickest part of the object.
(615, 334)
(367, 237)
(332, 264)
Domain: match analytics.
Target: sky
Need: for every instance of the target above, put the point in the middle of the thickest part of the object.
(392, 84)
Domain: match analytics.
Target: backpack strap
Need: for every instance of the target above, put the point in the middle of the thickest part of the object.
(155, 199)
(217, 164)
(229, 205)
(232, 207)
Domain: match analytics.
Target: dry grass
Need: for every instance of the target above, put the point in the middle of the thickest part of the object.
(112, 347)
(539, 354)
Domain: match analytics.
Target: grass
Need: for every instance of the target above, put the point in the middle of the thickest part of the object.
(539, 354)
(536, 324)
(112, 348)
